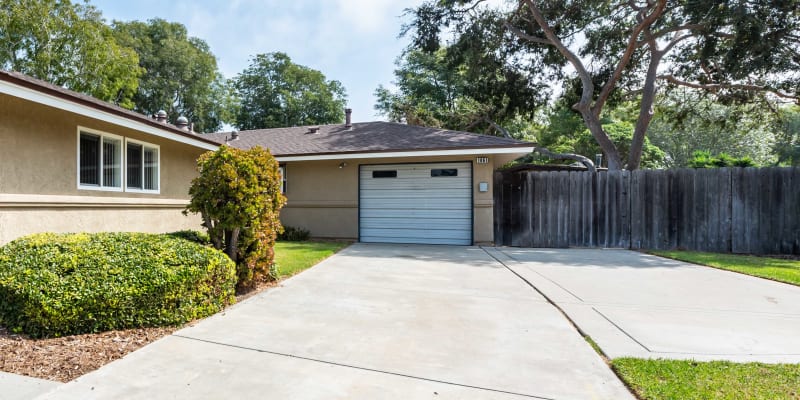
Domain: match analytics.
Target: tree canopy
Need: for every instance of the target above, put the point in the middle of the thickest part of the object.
(180, 74)
(612, 51)
(68, 45)
(275, 92)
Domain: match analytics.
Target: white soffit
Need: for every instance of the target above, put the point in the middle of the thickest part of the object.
(416, 153)
(66, 105)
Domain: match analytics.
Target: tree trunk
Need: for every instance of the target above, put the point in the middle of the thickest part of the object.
(645, 111)
(608, 147)
(232, 244)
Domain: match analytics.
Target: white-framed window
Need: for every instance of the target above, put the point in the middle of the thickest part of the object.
(99, 160)
(282, 172)
(142, 167)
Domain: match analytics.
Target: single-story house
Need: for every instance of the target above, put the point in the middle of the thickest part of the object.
(386, 182)
(69, 163)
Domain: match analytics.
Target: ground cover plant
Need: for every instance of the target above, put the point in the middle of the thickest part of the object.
(293, 257)
(64, 284)
(715, 380)
(783, 270)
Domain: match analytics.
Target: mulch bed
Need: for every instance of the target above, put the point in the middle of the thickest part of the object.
(66, 358)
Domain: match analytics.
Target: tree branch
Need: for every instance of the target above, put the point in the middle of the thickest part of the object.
(714, 87)
(524, 36)
(626, 56)
(566, 156)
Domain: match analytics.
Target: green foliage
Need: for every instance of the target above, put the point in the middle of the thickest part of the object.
(181, 75)
(238, 195)
(275, 92)
(69, 45)
(606, 52)
(687, 121)
(53, 285)
(455, 89)
(192, 236)
(566, 133)
(292, 234)
(788, 138)
(715, 380)
(704, 159)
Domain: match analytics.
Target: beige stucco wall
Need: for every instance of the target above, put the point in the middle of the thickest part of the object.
(38, 177)
(323, 198)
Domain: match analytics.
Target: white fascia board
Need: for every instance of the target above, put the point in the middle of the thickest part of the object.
(66, 105)
(417, 153)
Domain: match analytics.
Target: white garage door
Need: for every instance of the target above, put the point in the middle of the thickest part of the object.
(416, 203)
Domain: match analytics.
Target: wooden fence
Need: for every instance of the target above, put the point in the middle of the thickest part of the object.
(739, 210)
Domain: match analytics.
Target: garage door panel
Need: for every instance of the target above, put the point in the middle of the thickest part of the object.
(367, 214)
(414, 206)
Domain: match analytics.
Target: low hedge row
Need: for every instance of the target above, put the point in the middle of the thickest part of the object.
(63, 284)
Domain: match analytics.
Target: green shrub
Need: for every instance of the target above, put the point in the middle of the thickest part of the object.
(704, 159)
(192, 236)
(292, 234)
(62, 284)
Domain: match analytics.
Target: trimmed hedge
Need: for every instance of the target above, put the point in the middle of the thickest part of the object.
(64, 284)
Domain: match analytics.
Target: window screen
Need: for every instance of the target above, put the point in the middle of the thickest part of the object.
(444, 172)
(134, 160)
(384, 174)
(150, 168)
(89, 159)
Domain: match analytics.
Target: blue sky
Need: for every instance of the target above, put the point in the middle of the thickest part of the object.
(352, 41)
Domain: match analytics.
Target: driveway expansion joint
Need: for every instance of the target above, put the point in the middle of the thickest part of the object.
(337, 364)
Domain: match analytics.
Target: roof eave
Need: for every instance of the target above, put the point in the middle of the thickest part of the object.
(50, 100)
(516, 149)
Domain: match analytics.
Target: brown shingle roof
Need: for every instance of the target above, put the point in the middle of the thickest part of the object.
(365, 137)
(82, 99)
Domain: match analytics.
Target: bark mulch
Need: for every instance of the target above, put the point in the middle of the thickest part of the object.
(66, 358)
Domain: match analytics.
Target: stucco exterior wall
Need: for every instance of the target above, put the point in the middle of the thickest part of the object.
(323, 198)
(39, 184)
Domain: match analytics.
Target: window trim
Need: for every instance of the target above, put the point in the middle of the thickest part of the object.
(282, 173)
(125, 167)
(99, 187)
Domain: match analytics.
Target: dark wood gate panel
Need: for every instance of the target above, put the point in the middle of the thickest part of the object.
(740, 210)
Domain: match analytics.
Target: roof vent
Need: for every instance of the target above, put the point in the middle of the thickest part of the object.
(313, 129)
(348, 121)
(182, 123)
(161, 116)
(234, 136)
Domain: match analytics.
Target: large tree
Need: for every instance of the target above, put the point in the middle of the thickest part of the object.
(275, 92)
(69, 45)
(459, 90)
(620, 48)
(181, 74)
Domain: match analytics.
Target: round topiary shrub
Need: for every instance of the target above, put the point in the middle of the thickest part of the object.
(64, 284)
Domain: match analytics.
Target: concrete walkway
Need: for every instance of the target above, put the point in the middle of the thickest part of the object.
(19, 387)
(634, 304)
(372, 322)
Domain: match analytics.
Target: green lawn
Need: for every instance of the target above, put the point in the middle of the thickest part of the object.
(716, 380)
(772, 268)
(293, 257)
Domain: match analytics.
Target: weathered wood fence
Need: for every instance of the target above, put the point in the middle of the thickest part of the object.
(739, 210)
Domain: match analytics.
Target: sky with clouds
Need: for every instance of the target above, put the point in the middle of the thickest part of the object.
(353, 41)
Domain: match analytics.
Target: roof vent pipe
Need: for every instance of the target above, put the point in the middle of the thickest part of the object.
(161, 116)
(313, 129)
(182, 123)
(348, 122)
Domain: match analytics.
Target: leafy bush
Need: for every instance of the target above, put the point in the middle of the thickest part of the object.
(292, 234)
(238, 194)
(192, 236)
(62, 284)
(704, 159)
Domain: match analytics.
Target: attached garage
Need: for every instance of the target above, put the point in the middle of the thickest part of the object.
(428, 203)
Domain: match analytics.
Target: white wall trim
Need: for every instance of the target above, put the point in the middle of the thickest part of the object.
(66, 105)
(39, 200)
(416, 153)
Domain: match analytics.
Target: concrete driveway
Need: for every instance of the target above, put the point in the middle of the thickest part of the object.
(372, 322)
(633, 304)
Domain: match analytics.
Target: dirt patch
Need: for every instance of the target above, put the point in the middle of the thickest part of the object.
(66, 358)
